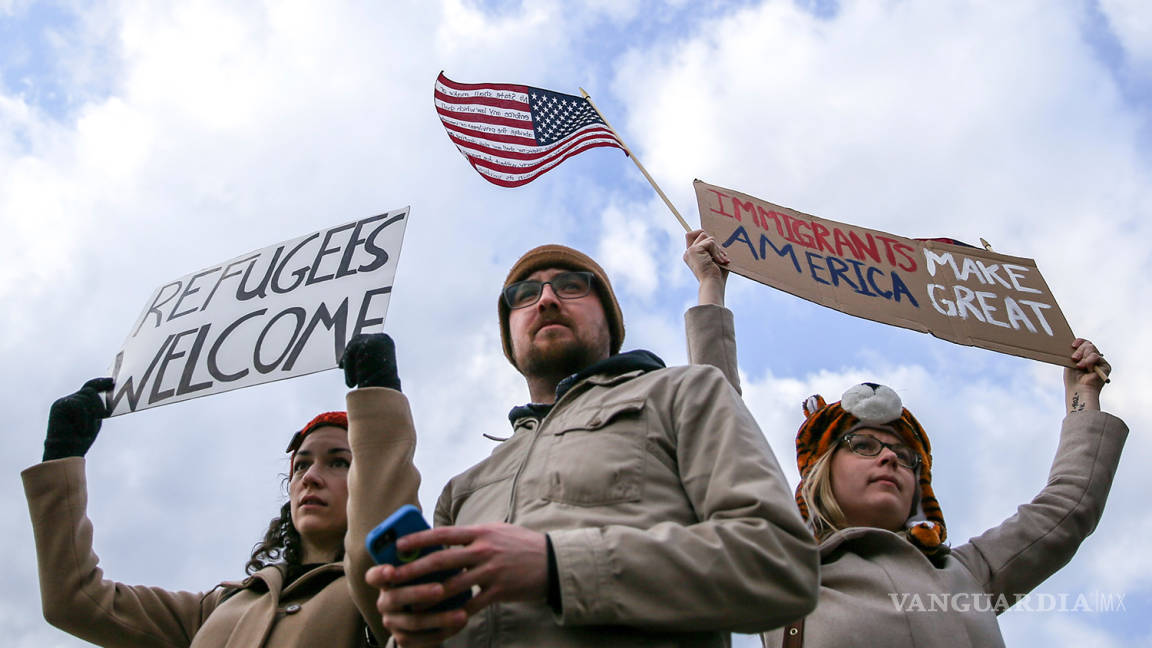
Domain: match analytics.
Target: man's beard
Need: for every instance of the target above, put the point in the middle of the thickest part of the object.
(558, 361)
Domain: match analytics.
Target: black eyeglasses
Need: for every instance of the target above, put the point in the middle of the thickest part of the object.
(566, 285)
(867, 445)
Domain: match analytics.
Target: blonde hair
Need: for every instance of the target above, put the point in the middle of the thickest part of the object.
(824, 513)
(825, 516)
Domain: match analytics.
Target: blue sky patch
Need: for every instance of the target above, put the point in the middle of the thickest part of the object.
(37, 46)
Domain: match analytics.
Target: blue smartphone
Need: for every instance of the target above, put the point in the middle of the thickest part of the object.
(381, 543)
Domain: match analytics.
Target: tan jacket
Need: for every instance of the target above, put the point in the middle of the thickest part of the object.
(671, 521)
(711, 334)
(381, 480)
(315, 610)
(876, 588)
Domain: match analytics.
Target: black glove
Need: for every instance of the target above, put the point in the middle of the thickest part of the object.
(370, 361)
(74, 421)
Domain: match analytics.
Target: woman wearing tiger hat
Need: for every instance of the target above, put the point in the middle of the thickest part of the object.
(888, 577)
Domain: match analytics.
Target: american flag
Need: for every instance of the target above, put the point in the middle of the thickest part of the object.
(513, 134)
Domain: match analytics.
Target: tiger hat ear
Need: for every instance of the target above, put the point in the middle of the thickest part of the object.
(813, 404)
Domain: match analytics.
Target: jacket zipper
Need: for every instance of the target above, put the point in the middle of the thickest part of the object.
(511, 516)
(512, 502)
(579, 387)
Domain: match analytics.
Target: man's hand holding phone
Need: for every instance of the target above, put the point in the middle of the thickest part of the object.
(506, 562)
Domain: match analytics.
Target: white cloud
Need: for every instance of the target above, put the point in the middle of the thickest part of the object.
(924, 119)
(465, 27)
(624, 252)
(201, 132)
(1131, 21)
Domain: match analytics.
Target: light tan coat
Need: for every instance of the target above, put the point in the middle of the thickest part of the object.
(875, 587)
(671, 521)
(317, 609)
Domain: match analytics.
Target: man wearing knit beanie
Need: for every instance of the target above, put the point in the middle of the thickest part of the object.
(634, 504)
(559, 335)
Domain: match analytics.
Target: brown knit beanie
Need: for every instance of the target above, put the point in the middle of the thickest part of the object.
(559, 256)
(869, 405)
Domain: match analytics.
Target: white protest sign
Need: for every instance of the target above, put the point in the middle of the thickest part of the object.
(283, 311)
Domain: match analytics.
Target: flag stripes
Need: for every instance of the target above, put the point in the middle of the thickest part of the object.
(513, 134)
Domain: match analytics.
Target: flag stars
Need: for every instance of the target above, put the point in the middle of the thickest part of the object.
(556, 116)
(554, 119)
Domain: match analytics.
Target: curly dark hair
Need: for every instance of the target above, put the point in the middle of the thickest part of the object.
(281, 543)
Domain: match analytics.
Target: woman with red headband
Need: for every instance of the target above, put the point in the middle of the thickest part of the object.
(296, 593)
(887, 575)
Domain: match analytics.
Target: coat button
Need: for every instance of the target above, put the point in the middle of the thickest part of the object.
(292, 609)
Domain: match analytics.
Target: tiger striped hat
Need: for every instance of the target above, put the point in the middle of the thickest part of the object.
(869, 405)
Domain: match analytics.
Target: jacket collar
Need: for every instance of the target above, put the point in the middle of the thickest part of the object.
(272, 578)
(638, 362)
(872, 540)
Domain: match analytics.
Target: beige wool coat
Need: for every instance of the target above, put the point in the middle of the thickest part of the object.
(876, 589)
(671, 521)
(317, 609)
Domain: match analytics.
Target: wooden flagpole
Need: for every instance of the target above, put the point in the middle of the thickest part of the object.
(655, 186)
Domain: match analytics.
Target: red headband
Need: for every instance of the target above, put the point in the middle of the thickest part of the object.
(334, 419)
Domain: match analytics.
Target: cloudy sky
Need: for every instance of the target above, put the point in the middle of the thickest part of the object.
(142, 141)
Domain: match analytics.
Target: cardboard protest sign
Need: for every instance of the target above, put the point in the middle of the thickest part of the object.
(962, 294)
(283, 311)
